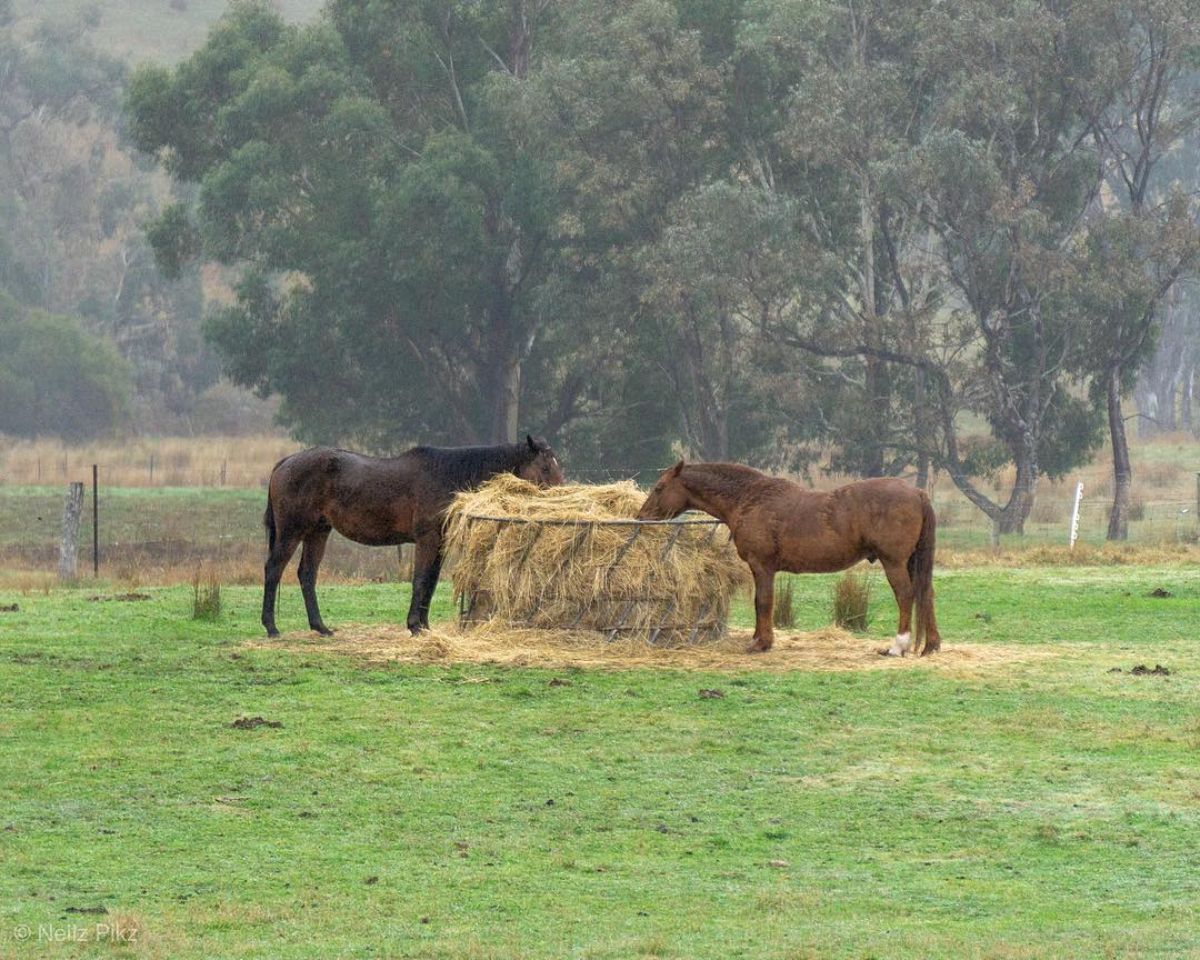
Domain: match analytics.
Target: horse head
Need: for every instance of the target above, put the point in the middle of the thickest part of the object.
(668, 499)
(542, 466)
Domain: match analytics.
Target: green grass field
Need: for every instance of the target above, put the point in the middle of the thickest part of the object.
(1044, 808)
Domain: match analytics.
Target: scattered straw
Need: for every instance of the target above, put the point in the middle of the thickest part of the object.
(825, 650)
(568, 558)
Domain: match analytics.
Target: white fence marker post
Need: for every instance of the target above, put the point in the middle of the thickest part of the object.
(1075, 514)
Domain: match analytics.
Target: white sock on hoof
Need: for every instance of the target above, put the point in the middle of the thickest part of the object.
(900, 646)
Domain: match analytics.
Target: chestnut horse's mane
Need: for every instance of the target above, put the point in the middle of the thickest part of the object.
(728, 479)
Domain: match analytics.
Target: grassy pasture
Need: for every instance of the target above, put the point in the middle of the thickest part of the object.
(1042, 807)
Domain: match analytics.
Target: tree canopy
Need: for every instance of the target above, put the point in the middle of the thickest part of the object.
(738, 228)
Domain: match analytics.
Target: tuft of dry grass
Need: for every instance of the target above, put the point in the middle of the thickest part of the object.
(568, 558)
(851, 599)
(206, 595)
(783, 613)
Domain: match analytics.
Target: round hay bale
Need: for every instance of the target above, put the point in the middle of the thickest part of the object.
(574, 558)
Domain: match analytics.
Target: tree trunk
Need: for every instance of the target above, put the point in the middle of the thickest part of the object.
(1189, 397)
(1012, 518)
(921, 431)
(1118, 517)
(1167, 404)
(502, 375)
(506, 400)
(875, 389)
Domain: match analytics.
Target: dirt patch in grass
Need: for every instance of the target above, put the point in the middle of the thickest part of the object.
(821, 650)
(252, 723)
(1141, 670)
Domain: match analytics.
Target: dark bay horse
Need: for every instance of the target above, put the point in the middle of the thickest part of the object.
(779, 525)
(379, 502)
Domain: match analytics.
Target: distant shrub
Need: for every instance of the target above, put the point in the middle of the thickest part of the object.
(57, 378)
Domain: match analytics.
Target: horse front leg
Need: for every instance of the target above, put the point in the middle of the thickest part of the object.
(427, 565)
(431, 577)
(764, 606)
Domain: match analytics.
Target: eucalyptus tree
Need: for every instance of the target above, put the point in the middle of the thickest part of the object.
(725, 257)
(831, 96)
(634, 102)
(944, 159)
(1168, 384)
(390, 231)
(1145, 239)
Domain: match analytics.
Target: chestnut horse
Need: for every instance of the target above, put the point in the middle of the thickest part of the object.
(380, 502)
(779, 525)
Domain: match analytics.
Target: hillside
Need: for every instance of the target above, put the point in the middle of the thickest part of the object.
(138, 30)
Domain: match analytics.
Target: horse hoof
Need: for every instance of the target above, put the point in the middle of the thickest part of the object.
(324, 631)
(272, 633)
(758, 648)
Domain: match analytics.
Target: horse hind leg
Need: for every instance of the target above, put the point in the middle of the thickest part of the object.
(286, 542)
(310, 563)
(902, 589)
(435, 570)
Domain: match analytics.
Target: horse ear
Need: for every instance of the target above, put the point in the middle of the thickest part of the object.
(677, 469)
(532, 445)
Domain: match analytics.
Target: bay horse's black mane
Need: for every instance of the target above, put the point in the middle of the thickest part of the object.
(462, 467)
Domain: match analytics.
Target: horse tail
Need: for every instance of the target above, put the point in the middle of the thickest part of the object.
(920, 573)
(269, 523)
(269, 515)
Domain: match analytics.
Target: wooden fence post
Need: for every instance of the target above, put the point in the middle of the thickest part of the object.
(95, 520)
(68, 546)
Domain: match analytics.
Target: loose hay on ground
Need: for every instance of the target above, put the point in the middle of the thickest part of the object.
(568, 558)
(825, 650)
